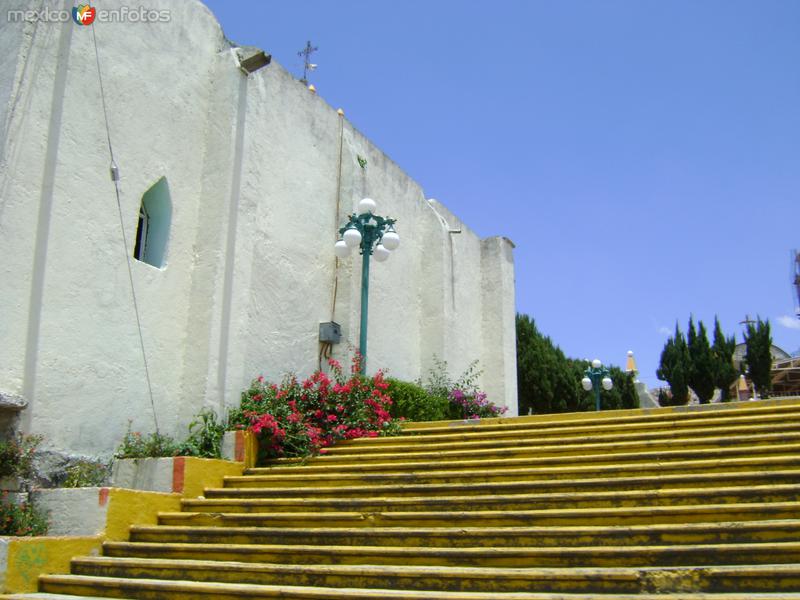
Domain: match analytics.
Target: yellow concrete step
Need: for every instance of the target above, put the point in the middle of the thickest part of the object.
(480, 430)
(253, 529)
(519, 447)
(45, 596)
(158, 589)
(580, 482)
(771, 405)
(593, 499)
(769, 445)
(502, 518)
(447, 474)
(554, 556)
(751, 578)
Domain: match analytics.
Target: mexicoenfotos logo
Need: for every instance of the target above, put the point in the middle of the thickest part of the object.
(84, 14)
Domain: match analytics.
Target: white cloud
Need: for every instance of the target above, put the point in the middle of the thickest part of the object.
(789, 322)
(663, 330)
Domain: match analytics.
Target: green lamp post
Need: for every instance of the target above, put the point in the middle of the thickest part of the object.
(375, 236)
(595, 377)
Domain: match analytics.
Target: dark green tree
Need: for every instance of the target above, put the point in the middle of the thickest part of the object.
(674, 367)
(550, 382)
(543, 378)
(701, 361)
(759, 356)
(722, 351)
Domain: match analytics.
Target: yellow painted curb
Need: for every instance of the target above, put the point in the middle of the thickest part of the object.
(129, 507)
(29, 557)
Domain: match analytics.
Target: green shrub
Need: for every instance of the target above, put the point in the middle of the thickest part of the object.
(136, 445)
(205, 436)
(16, 455)
(21, 519)
(465, 400)
(86, 473)
(410, 401)
(205, 439)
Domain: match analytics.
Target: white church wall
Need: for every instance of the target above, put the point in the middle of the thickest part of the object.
(252, 165)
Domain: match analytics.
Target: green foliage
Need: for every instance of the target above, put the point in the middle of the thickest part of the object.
(665, 398)
(86, 473)
(548, 381)
(205, 440)
(759, 356)
(463, 398)
(16, 455)
(136, 445)
(21, 519)
(623, 395)
(674, 367)
(412, 402)
(722, 351)
(702, 367)
(205, 436)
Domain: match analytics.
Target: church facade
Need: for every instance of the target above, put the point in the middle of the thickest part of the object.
(229, 184)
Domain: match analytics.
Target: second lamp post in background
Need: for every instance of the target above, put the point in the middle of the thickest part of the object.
(594, 377)
(375, 236)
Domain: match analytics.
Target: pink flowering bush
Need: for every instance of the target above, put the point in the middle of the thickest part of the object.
(472, 405)
(465, 400)
(300, 418)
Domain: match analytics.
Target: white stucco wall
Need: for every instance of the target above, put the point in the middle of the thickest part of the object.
(252, 165)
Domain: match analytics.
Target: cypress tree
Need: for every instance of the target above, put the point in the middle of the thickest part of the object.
(549, 382)
(759, 356)
(673, 367)
(722, 351)
(701, 369)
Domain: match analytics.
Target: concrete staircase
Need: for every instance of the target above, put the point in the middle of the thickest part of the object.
(695, 502)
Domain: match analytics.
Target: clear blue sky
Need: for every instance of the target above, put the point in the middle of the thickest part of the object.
(643, 155)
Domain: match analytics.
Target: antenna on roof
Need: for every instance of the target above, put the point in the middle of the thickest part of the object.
(305, 54)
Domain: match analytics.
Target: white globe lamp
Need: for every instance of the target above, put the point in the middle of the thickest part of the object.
(367, 205)
(352, 237)
(341, 249)
(381, 253)
(390, 239)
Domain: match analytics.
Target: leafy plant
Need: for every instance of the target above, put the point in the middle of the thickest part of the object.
(411, 401)
(136, 445)
(86, 473)
(16, 455)
(21, 519)
(464, 399)
(205, 436)
(472, 405)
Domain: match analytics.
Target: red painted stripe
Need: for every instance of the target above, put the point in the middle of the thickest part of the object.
(178, 468)
(238, 451)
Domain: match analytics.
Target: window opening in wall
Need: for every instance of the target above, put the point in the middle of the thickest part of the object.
(141, 234)
(152, 231)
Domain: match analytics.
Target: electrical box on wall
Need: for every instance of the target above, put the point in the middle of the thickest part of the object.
(330, 332)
